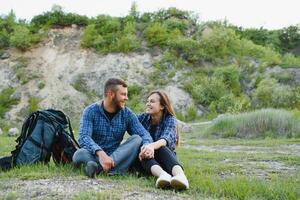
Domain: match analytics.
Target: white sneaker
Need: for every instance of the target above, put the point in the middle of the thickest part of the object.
(163, 180)
(180, 182)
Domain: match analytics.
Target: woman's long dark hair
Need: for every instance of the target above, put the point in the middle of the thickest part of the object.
(168, 108)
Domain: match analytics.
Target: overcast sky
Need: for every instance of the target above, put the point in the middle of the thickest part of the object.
(271, 14)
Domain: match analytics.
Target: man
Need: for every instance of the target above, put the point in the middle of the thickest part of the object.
(102, 127)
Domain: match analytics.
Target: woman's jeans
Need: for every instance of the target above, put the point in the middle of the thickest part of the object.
(163, 157)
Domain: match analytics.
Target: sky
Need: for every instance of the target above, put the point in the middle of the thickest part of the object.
(270, 14)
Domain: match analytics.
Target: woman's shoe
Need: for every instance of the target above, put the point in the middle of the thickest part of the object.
(163, 181)
(180, 182)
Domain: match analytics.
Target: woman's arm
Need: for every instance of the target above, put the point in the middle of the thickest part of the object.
(159, 143)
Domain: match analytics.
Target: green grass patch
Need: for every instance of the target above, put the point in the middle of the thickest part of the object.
(7, 100)
(257, 124)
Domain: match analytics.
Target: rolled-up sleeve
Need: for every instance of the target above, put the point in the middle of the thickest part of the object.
(135, 127)
(85, 132)
(169, 132)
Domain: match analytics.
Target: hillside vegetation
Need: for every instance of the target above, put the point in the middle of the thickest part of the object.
(224, 68)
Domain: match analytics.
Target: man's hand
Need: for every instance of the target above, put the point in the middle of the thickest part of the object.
(106, 161)
(147, 152)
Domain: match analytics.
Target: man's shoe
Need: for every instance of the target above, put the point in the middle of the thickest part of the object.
(163, 181)
(91, 169)
(180, 182)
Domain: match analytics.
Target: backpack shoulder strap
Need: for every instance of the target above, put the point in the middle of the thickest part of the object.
(27, 128)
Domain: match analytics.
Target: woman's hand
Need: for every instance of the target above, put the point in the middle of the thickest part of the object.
(147, 152)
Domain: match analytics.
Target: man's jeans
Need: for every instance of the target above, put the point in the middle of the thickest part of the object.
(123, 156)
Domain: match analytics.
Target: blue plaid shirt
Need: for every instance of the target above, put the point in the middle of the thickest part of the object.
(97, 132)
(166, 129)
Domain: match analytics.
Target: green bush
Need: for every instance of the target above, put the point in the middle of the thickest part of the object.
(33, 104)
(283, 77)
(7, 23)
(89, 36)
(156, 34)
(4, 39)
(21, 38)
(187, 49)
(209, 90)
(6, 100)
(56, 17)
(289, 60)
(256, 124)
(191, 113)
(136, 100)
(230, 77)
(220, 42)
(289, 37)
(270, 93)
(127, 43)
(265, 54)
(176, 23)
(108, 34)
(263, 93)
(223, 104)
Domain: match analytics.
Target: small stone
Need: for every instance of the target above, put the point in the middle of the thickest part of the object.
(13, 131)
(183, 127)
(74, 26)
(5, 55)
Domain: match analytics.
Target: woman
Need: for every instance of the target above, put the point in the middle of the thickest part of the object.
(159, 119)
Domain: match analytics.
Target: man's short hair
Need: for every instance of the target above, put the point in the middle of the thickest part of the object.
(112, 84)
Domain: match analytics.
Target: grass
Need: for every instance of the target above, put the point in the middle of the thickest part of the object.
(256, 124)
(215, 174)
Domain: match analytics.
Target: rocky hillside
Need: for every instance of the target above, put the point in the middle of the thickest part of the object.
(58, 73)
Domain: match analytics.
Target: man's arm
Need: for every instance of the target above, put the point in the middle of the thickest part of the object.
(135, 127)
(85, 132)
(106, 161)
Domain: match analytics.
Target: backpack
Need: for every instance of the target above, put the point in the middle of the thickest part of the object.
(44, 134)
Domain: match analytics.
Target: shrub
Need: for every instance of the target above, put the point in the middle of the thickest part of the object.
(219, 43)
(263, 94)
(289, 60)
(21, 38)
(209, 90)
(33, 104)
(106, 24)
(270, 93)
(4, 39)
(256, 124)
(187, 49)
(248, 48)
(127, 43)
(156, 34)
(191, 113)
(230, 77)
(223, 104)
(56, 17)
(136, 101)
(89, 36)
(175, 23)
(6, 100)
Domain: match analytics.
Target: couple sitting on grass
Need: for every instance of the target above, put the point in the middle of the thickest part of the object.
(151, 144)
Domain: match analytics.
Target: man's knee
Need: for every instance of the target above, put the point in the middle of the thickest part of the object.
(80, 156)
(136, 139)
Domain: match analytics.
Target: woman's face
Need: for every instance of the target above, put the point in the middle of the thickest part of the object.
(153, 105)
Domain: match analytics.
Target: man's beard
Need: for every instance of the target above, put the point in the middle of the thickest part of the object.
(117, 103)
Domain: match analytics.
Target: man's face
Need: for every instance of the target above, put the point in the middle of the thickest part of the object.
(120, 97)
